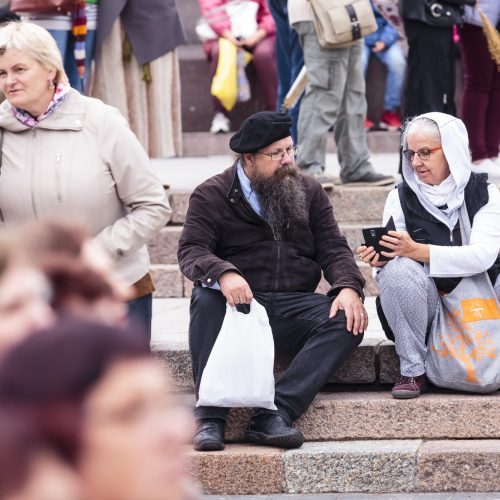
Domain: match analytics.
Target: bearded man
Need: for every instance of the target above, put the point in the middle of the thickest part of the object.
(262, 230)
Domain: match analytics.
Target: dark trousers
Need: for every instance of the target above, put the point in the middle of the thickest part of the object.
(481, 94)
(430, 82)
(140, 312)
(301, 328)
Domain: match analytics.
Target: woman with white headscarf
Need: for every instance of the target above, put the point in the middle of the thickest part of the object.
(426, 251)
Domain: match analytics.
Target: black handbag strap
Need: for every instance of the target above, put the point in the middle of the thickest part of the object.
(353, 17)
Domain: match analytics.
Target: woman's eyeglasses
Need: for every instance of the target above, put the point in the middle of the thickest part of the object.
(279, 155)
(423, 154)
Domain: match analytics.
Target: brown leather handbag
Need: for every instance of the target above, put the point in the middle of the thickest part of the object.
(46, 6)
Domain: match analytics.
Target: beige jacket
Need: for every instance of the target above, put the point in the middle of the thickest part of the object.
(83, 162)
(299, 10)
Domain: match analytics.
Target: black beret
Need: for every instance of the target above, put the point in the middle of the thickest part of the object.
(260, 130)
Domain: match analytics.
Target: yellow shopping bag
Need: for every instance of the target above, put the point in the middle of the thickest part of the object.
(225, 81)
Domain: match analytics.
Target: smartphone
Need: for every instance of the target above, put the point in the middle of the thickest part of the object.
(373, 235)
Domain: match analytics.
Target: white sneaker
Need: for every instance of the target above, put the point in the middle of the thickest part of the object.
(220, 124)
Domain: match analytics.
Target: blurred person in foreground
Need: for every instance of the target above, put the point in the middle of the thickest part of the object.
(64, 153)
(84, 283)
(30, 466)
(101, 404)
(25, 294)
(428, 257)
(262, 230)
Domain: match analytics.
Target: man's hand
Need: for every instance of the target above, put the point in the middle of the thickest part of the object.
(350, 302)
(235, 288)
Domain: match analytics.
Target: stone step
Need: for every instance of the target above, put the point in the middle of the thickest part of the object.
(352, 466)
(354, 205)
(346, 416)
(171, 283)
(374, 360)
(354, 208)
(163, 248)
(207, 144)
(362, 367)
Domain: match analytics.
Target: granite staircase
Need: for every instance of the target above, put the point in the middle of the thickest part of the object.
(358, 439)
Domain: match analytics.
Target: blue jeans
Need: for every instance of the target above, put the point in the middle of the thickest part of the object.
(289, 58)
(140, 312)
(394, 60)
(66, 44)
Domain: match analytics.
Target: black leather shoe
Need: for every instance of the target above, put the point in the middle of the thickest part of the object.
(210, 435)
(272, 430)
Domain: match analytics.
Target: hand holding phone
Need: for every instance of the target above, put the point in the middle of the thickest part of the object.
(373, 235)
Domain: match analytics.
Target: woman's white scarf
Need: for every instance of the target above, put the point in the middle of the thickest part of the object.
(455, 144)
(440, 195)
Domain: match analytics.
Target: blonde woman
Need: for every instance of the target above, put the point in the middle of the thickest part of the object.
(64, 153)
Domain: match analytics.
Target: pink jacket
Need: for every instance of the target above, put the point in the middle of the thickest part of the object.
(264, 18)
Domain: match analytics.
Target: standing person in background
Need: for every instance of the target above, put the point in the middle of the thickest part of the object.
(261, 44)
(481, 94)
(66, 153)
(62, 27)
(383, 44)
(289, 57)
(137, 70)
(431, 55)
(334, 97)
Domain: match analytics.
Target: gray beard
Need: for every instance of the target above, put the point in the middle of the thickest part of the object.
(283, 199)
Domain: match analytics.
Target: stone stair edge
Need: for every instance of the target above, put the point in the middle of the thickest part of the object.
(385, 466)
(203, 143)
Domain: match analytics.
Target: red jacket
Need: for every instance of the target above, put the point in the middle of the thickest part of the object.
(264, 18)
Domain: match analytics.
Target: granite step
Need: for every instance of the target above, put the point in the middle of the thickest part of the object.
(375, 415)
(170, 282)
(163, 248)
(383, 466)
(361, 205)
(197, 143)
(374, 360)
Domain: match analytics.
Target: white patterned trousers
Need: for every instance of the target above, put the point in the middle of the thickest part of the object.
(409, 299)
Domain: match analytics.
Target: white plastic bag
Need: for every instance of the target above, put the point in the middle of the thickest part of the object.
(239, 371)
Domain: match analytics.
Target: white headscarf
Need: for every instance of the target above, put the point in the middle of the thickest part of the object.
(455, 145)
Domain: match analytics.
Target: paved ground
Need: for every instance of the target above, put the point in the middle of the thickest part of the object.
(188, 172)
(362, 496)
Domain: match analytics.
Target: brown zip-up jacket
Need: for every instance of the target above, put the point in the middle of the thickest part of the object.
(222, 233)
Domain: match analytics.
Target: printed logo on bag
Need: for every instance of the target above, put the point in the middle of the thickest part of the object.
(479, 310)
(465, 343)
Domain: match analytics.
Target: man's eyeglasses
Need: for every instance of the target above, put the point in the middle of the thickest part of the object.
(423, 154)
(279, 155)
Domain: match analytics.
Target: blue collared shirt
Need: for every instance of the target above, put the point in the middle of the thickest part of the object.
(248, 192)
